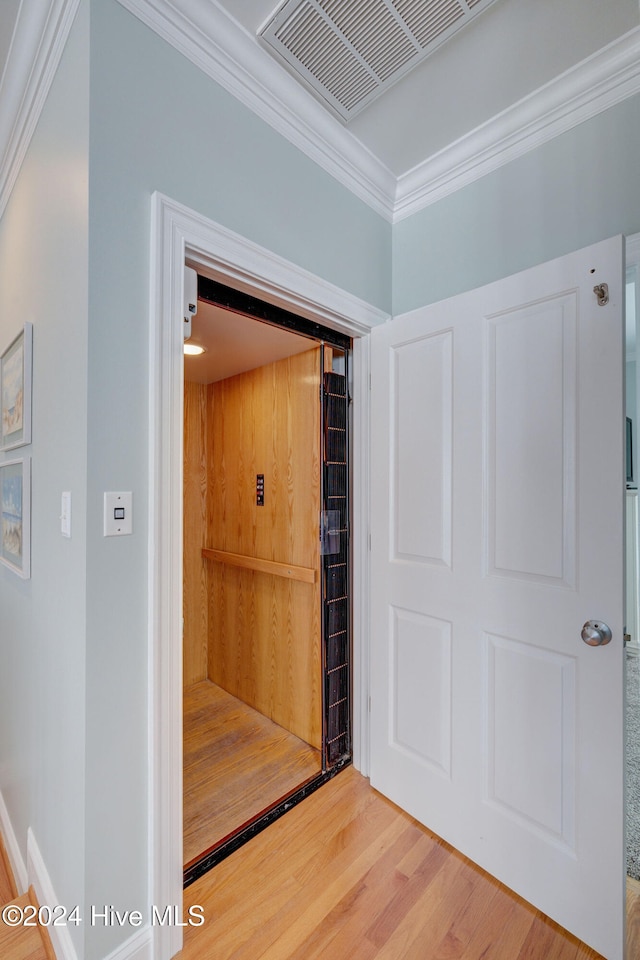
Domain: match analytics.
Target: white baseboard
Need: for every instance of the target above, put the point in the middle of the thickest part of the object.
(16, 861)
(34, 873)
(137, 947)
(38, 877)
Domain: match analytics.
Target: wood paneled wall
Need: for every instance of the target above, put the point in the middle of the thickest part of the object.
(263, 630)
(195, 572)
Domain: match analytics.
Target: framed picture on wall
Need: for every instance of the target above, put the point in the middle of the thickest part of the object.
(15, 390)
(15, 516)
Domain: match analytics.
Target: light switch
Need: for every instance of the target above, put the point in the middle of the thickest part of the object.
(118, 514)
(65, 514)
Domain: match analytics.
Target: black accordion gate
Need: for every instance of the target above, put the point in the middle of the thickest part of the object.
(336, 568)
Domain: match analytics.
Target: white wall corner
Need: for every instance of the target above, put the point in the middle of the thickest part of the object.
(16, 860)
(39, 879)
(39, 37)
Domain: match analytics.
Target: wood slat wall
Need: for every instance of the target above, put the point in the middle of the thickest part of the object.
(267, 421)
(264, 631)
(255, 634)
(196, 604)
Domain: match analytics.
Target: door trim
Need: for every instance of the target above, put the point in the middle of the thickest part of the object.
(178, 234)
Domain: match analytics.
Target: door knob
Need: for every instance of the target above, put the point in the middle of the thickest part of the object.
(596, 633)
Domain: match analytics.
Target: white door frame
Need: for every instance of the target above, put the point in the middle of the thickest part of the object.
(179, 234)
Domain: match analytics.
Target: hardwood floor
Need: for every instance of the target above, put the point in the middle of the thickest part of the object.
(22, 942)
(236, 764)
(633, 919)
(8, 888)
(346, 874)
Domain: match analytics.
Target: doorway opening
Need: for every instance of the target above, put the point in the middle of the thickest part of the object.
(267, 568)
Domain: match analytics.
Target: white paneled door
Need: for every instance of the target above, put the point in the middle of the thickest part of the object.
(497, 532)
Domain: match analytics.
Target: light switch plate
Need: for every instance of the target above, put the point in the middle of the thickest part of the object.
(118, 514)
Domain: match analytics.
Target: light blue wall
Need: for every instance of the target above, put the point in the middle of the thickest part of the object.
(43, 279)
(579, 188)
(73, 696)
(157, 123)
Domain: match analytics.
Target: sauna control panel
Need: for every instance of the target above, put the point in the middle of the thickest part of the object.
(260, 489)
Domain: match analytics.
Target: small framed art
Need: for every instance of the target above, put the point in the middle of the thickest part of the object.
(15, 516)
(15, 390)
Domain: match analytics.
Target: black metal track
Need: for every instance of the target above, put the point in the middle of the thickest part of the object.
(239, 302)
(212, 857)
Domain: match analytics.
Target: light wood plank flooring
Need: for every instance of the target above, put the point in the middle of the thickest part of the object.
(21, 942)
(633, 919)
(8, 889)
(237, 763)
(346, 874)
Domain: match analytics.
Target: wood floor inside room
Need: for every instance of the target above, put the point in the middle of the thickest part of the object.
(237, 763)
(347, 874)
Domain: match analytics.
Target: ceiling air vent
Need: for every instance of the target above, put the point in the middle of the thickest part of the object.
(351, 51)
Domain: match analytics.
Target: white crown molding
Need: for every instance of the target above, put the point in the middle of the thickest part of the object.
(206, 34)
(40, 33)
(597, 83)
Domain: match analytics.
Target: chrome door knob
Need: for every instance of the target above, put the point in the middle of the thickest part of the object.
(596, 633)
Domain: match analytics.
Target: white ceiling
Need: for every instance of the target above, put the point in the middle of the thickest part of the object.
(235, 343)
(510, 50)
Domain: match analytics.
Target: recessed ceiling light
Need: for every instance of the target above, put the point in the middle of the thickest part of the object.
(193, 349)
